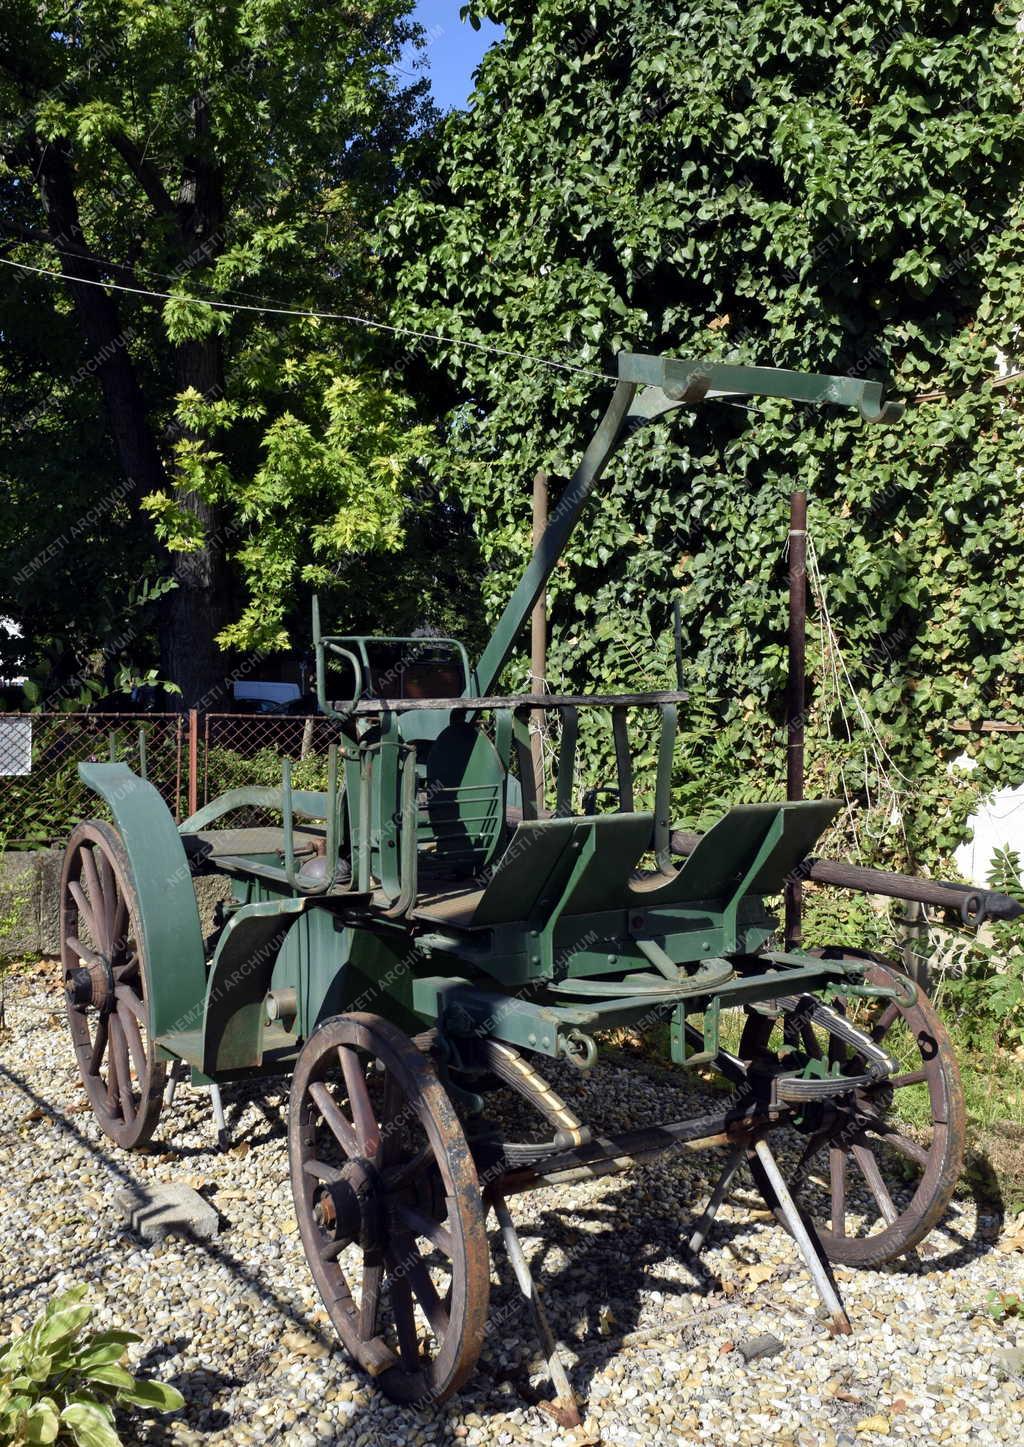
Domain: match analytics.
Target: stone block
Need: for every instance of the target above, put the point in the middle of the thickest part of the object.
(154, 1212)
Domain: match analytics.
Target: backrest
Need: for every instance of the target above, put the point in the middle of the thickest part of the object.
(772, 837)
(461, 813)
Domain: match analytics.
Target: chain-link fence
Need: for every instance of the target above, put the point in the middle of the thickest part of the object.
(41, 795)
(240, 749)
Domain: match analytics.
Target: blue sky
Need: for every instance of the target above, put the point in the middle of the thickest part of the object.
(454, 49)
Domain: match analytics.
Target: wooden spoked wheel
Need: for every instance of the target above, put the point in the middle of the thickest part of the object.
(105, 985)
(389, 1207)
(878, 1166)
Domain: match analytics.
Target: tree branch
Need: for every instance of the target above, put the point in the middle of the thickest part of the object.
(144, 172)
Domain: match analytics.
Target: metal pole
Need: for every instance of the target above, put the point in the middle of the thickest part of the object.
(564, 1409)
(539, 638)
(839, 1322)
(796, 692)
(193, 761)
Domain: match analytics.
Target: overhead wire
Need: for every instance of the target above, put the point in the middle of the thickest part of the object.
(268, 309)
(259, 304)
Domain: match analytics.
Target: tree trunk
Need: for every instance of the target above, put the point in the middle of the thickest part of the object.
(97, 313)
(197, 610)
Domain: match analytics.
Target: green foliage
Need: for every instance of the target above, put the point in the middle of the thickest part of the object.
(985, 986)
(230, 769)
(1003, 1304)
(332, 485)
(830, 187)
(222, 153)
(61, 1383)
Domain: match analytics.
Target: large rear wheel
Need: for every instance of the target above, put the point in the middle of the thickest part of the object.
(389, 1207)
(878, 1166)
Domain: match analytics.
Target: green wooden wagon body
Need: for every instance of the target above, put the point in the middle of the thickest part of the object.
(421, 935)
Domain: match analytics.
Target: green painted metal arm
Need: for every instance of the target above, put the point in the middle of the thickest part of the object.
(552, 544)
(306, 803)
(648, 388)
(685, 380)
(168, 915)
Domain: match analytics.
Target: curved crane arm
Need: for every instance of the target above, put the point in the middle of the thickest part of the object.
(649, 387)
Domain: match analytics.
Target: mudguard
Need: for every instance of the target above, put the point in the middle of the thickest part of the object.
(172, 936)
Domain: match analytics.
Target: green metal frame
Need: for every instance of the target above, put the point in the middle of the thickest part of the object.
(561, 940)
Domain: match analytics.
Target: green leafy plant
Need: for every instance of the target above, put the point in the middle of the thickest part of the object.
(1001, 1304)
(60, 1382)
(752, 185)
(984, 987)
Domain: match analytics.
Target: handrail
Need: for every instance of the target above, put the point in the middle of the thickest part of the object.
(519, 701)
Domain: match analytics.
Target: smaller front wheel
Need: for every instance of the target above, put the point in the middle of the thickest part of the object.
(389, 1207)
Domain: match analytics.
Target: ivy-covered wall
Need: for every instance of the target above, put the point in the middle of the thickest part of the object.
(831, 186)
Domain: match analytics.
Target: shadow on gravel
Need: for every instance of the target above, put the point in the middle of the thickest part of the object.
(593, 1266)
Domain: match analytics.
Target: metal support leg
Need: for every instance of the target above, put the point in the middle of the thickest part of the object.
(218, 1116)
(176, 1073)
(703, 1226)
(564, 1408)
(839, 1321)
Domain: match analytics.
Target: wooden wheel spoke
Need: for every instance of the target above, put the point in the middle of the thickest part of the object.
(419, 1225)
(99, 1044)
(120, 1068)
(391, 1114)
(369, 1304)
(865, 1159)
(885, 1021)
(367, 1129)
(906, 1147)
(400, 1176)
(405, 1322)
(112, 896)
(126, 996)
(408, 1261)
(83, 951)
(100, 905)
(342, 1130)
(78, 894)
(129, 1027)
(321, 1171)
(112, 1087)
(128, 969)
(837, 1183)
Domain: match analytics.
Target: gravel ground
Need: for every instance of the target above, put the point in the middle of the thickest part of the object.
(236, 1323)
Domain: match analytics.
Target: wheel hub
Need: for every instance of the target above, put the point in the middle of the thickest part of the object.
(90, 985)
(349, 1209)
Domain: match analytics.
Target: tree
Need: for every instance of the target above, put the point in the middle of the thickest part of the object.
(225, 152)
(833, 187)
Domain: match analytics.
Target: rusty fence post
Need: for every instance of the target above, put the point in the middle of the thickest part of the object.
(539, 639)
(193, 760)
(796, 692)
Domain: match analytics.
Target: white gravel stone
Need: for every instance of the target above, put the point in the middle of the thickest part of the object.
(236, 1322)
